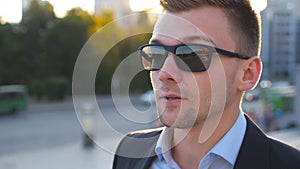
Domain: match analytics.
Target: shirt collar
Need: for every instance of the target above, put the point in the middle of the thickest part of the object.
(164, 144)
(228, 147)
(224, 148)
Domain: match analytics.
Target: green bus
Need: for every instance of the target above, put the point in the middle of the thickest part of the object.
(13, 98)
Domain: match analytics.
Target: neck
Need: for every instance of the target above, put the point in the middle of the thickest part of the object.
(191, 145)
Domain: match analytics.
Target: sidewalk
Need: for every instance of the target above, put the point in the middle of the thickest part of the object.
(72, 156)
(76, 157)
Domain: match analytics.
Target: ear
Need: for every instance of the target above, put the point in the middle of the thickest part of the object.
(251, 74)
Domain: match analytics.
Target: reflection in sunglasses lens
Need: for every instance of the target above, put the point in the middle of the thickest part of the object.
(194, 58)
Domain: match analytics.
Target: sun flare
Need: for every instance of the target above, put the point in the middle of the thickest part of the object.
(11, 11)
(259, 5)
(144, 5)
(61, 7)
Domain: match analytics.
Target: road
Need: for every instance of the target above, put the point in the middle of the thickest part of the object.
(37, 129)
(49, 125)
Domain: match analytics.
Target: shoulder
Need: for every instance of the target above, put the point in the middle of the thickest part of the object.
(141, 135)
(283, 153)
(282, 147)
(261, 151)
(144, 133)
(136, 149)
(139, 143)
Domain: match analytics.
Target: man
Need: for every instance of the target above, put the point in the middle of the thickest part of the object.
(203, 56)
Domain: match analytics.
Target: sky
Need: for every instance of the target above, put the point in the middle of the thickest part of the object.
(140, 5)
(11, 10)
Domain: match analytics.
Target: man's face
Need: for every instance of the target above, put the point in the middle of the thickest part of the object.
(184, 99)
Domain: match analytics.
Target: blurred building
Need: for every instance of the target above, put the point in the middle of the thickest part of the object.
(280, 40)
(120, 7)
(25, 5)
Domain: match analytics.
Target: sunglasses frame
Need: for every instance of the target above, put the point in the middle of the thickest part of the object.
(173, 49)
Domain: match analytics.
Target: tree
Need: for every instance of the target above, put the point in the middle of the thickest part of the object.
(38, 16)
(42, 50)
(62, 42)
(11, 47)
(120, 51)
(104, 17)
(34, 22)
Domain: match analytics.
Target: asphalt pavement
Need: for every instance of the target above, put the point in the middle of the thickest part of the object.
(72, 156)
(49, 136)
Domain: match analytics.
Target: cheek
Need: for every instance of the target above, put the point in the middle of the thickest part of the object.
(231, 72)
(223, 72)
(229, 83)
(221, 81)
(202, 87)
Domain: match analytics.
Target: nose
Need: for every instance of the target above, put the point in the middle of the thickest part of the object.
(170, 71)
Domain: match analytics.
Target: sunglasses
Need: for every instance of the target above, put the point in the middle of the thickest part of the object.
(188, 57)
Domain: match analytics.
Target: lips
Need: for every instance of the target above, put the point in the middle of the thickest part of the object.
(173, 98)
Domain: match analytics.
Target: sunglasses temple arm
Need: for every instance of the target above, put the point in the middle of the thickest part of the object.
(230, 54)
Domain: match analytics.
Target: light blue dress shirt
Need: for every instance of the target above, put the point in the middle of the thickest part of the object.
(222, 156)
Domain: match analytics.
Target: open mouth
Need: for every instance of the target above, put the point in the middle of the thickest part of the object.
(172, 97)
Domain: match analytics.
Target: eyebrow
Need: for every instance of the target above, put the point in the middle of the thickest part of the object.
(155, 41)
(189, 38)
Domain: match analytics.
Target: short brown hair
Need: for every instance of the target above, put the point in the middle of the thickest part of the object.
(245, 25)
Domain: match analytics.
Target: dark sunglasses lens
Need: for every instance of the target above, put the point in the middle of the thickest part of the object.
(193, 58)
(153, 57)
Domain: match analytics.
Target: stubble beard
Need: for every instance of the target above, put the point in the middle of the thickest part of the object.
(188, 117)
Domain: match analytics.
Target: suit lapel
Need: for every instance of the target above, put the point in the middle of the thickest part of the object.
(254, 151)
(136, 151)
(145, 163)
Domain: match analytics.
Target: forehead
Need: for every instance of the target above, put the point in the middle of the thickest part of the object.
(176, 27)
(206, 25)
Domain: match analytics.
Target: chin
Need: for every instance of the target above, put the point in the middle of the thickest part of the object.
(179, 123)
(183, 118)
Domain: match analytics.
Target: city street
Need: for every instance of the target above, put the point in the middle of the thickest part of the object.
(30, 131)
(49, 136)
(46, 127)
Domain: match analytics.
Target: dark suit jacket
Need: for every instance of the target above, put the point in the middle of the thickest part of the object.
(258, 151)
